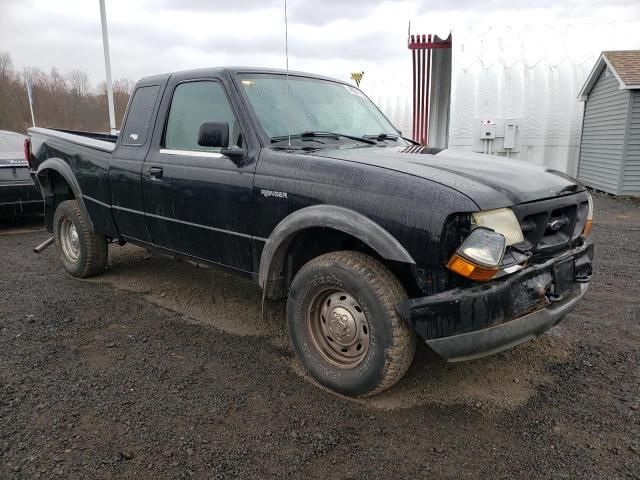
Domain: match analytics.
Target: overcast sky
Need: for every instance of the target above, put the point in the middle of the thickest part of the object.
(331, 37)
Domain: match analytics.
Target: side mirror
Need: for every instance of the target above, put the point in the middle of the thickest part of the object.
(214, 134)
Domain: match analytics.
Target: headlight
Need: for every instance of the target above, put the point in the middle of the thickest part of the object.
(588, 226)
(479, 256)
(501, 221)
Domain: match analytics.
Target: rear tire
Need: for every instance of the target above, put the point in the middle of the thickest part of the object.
(344, 326)
(82, 252)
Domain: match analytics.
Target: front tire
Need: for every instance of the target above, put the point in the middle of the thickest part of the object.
(82, 252)
(344, 326)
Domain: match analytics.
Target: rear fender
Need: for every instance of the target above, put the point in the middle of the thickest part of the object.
(50, 190)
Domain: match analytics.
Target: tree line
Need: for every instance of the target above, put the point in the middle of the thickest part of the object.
(67, 101)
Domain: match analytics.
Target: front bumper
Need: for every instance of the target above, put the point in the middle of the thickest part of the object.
(467, 323)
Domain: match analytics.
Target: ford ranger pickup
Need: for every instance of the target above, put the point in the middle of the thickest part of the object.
(301, 183)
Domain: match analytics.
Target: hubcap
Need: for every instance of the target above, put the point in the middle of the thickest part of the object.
(69, 240)
(342, 326)
(338, 327)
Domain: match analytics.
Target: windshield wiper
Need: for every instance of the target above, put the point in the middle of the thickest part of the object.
(337, 135)
(391, 136)
(321, 134)
(383, 136)
(284, 138)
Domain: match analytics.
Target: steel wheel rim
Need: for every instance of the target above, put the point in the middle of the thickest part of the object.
(69, 240)
(338, 327)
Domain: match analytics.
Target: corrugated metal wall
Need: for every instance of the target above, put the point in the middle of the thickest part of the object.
(603, 134)
(530, 74)
(631, 173)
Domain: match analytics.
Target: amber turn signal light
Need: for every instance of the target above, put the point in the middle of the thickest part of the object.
(470, 270)
(588, 225)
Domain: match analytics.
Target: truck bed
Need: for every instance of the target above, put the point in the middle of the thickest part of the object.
(82, 159)
(98, 141)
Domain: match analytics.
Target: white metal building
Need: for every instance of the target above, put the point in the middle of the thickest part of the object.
(523, 81)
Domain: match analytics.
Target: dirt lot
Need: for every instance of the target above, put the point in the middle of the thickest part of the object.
(158, 369)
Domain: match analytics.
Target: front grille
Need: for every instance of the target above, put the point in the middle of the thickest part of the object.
(552, 224)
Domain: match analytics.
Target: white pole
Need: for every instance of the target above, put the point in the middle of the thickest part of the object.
(33, 119)
(107, 66)
(30, 95)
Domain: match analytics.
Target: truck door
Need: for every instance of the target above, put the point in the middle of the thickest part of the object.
(125, 166)
(198, 201)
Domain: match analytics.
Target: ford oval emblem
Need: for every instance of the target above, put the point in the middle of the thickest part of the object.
(555, 225)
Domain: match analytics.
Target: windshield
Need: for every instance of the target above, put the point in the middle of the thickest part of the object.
(312, 105)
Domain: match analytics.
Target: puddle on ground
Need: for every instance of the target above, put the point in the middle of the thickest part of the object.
(232, 304)
(208, 296)
(503, 381)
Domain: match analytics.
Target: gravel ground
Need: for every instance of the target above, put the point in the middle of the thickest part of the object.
(158, 369)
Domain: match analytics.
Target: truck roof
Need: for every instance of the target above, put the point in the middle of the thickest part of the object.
(203, 72)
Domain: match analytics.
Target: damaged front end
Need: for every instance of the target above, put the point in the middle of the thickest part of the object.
(516, 288)
(466, 323)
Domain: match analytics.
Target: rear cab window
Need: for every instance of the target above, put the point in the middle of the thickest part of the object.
(136, 127)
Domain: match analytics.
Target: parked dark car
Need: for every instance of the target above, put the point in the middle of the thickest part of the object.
(18, 195)
(301, 183)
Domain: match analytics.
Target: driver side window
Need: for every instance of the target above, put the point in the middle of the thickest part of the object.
(194, 103)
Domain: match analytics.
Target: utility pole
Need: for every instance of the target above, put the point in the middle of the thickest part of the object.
(107, 66)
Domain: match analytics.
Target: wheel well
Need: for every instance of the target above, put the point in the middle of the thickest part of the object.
(310, 243)
(56, 189)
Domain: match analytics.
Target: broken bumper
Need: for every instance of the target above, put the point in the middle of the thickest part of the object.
(463, 324)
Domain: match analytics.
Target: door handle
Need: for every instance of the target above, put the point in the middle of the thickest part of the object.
(155, 173)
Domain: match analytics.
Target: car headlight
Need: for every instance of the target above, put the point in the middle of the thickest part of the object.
(588, 226)
(480, 255)
(502, 221)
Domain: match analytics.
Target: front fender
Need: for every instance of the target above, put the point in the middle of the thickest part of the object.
(332, 217)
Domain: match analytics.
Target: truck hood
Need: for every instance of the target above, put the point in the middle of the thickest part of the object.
(490, 181)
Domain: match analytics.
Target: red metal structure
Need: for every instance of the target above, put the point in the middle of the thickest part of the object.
(421, 46)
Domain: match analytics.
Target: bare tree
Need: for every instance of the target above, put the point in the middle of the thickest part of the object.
(6, 65)
(101, 88)
(57, 82)
(62, 101)
(37, 76)
(123, 86)
(120, 85)
(79, 82)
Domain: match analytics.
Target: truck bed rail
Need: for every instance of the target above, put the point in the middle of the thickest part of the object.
(98, 141)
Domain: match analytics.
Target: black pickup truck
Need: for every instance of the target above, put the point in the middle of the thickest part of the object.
(301, 183)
